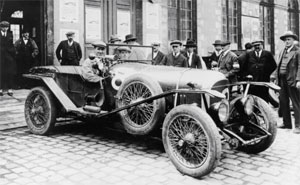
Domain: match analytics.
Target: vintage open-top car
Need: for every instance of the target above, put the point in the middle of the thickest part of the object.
(189, 105)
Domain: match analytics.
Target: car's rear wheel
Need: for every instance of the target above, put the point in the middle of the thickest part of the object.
(40, 111)
(191, 140)
(263, 116)
(143, 118)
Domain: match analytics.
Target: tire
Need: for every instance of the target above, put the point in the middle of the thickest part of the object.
(263, 112)
(144, 118)
(274, 98)
(190, 123)
(40, 111)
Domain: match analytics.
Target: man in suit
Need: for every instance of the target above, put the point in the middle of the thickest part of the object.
(158, 56)
(194, 61)
(227, 62)
(175, 58)
(216, 54)
(242, 58)
(288, 74)
(260, 64)
(68, 51)
(136, 52)
(26, 55)
(7, 59)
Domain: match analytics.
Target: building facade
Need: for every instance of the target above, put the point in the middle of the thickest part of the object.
(238, 21)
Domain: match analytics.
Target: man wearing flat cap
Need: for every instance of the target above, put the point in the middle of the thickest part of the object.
(216, 54)
(26, 55)
(158, 57)
(68, 51)
(194, 60)
(7, 59)
(175, 58)
(288, 74)
(260, 64)
(136, 52)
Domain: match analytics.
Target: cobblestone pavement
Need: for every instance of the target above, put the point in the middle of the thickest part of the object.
(84, 154)
(91, 154)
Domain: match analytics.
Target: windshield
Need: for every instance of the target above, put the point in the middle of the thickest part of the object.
(127, 52)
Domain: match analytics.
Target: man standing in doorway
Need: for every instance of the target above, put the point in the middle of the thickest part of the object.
(288, 74)
(26, 53)
(260, 64)
(68, 51)
(7, 59)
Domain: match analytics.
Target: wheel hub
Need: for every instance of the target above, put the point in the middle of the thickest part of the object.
(137, 100)
(188, 138)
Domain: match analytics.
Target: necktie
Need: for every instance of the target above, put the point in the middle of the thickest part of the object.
(257, 54)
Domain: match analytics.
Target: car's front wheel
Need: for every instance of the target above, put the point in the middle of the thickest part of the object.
(191, 140)
(40, 111)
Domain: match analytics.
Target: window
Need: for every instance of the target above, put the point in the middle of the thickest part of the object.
(266, 18)
(182, 19)
(230, 23)
(93, 21)
(293, 17)
(123, 18)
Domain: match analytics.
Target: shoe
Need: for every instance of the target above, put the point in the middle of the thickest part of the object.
(296, 130)
(10, 92)
(283, 126)
(1, 92)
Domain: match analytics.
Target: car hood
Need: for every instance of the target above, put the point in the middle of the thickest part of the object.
(169, 77)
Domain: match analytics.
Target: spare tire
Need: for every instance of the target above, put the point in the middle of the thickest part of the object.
(142, 118)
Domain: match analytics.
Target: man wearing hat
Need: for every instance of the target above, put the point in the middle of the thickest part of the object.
(175, 58)
(215, 55)
(226, 62)
(114, 39)
(26, 55)
(260, 64)
(194, 61)
(242, 59)
(124, 52)
(7, 59)
(68, 51)
(158, 57)
(136, 52)
(288, 74)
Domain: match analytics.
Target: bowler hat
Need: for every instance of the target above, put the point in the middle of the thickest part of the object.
(257, 42)
(225, 43)
(25, 30)
(176, 42)
(129, 37)
(124, 48)
(114, 38)
(4, 24)
(190, 43)
(289, 34)
(70, 33)
(99, 44)
(217, 43)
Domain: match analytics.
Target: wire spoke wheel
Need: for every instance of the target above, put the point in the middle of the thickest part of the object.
(188, 141)
(262, 116)
(191, 140)
(40, 111)
(142, 118)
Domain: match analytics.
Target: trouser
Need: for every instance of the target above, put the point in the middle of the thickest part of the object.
(72, 62)
(286, 93)
(260, 91)
(6, 81)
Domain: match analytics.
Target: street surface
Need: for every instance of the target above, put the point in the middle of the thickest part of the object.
(79, 153)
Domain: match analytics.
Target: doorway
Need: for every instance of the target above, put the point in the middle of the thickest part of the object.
(28, 14)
